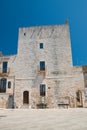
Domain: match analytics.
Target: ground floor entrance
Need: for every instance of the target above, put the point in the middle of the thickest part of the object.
(26, 97)
(10, 101)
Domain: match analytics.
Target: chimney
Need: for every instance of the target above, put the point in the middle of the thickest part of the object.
(67, 22)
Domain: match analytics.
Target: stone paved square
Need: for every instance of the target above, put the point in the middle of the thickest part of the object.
(43, 119)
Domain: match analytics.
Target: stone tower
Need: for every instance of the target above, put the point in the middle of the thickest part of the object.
(41, 75)
(43, 68)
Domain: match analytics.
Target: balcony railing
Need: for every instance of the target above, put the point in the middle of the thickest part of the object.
(4, 72)
(41, 70)
(42, 103)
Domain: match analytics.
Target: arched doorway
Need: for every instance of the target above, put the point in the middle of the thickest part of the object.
(79, 98)
(26, 97)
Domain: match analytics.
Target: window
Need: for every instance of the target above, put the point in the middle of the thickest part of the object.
(42, 90)
(41, 45)
(9, 84)
(42, 65)
(5, 67)
(24, 34)
(3, 85)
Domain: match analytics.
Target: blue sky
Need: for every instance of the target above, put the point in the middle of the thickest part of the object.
(23, 13)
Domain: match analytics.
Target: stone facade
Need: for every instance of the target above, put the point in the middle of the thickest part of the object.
(9, 76)
(64, 84)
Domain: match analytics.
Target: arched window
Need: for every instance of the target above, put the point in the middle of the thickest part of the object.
(3, 82)
(9, 84)
(79, 96)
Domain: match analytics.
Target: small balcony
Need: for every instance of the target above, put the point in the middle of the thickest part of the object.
(41, 70)
(42, 103)
(4, 72)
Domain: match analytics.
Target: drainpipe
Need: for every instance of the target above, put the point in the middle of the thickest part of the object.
(13, 93)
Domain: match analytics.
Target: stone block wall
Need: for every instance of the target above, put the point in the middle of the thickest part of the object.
(60, 78)
(10, 77)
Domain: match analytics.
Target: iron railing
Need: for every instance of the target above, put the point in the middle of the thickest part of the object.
(4, 71)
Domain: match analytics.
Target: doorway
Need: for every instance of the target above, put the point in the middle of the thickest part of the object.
(79, 99)
(26, 97)
(10, 101)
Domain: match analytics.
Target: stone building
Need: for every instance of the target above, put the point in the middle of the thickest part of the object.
(41, 75)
